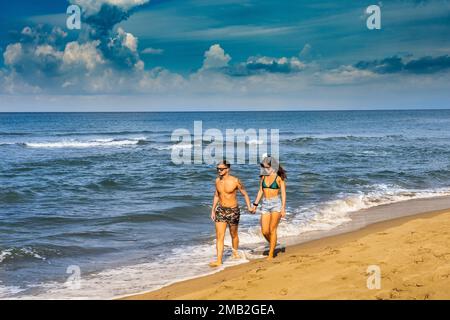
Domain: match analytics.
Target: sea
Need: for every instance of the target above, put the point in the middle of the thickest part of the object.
(93, 205)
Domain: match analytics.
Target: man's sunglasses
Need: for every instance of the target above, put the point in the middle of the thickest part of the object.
(221, 169)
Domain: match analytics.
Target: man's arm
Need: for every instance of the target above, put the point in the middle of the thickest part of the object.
(245, 194)
(260, 192)
(214, 205)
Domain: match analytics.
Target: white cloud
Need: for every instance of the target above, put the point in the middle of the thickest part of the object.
(47, 50)
(127, 39)
(11, 84)
(215, 58)
(345, 75)
(12, 54)
(85, 55)
(91, 7)
(159, 80)
(271, 64)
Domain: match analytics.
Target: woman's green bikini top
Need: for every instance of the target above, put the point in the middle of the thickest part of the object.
(274, 184)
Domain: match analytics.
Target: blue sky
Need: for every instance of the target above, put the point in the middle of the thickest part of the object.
(224, 54)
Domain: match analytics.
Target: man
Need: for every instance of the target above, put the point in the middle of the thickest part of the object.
(225, 210)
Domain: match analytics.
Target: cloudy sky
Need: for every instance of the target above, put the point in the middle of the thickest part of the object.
(133, 55)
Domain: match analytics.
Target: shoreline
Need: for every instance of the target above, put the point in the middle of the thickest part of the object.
(222, 284)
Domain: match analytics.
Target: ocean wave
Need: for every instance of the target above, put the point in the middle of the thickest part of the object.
(15, 254)
(324, 138)
(112, 133)
(441, 174)
(19, 134)
(64, 162)
(44, 253)
(139, 218)
(255, 141)
(6, 144)
(14, 196)
(177, 146)
(106, 184)
(28, 166)
(178, 214)
(39, 220)
(86, 143)
(85, 234)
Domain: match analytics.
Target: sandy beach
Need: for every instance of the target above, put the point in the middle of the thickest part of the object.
(412, 252)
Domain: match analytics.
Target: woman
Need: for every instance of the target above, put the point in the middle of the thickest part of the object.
(272, 189)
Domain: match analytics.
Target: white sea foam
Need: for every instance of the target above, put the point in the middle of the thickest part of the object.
(8, 291)
(4, 254)
(255, 141)
(20, 252)
(178, 146)
(180, 264)
(71, 143)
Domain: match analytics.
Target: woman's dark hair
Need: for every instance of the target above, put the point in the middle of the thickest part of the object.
(272, 162)
(281, 173)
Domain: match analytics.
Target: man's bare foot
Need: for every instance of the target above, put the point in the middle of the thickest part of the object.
(269, 258)
(215, 264)
(235, 255)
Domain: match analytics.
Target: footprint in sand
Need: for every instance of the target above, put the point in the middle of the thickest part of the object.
(395, 293)
(303, 265)
(284, 292)
(252, 283)
(226, 287)
(260, 270)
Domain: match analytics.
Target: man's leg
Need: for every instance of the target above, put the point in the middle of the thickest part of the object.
(220, 235)
(274, 220)
(235, 240)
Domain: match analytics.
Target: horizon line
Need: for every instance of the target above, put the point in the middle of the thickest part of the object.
(225, 111)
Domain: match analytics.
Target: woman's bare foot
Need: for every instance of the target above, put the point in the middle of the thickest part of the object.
(235, 255)
(269, 258)
(215, 264)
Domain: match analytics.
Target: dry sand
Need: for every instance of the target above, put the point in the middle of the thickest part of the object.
(413, 254)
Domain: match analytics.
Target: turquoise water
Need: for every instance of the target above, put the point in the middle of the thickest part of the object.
(99, 190)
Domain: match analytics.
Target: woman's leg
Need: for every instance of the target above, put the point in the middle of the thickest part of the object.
(274, 220)
(265, 226)
(221, 227)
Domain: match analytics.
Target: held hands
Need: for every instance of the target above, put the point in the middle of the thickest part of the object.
(213, 216)
(283, 212)
(252, 209)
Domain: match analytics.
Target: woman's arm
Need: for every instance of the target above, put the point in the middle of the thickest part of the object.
(283, 197)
